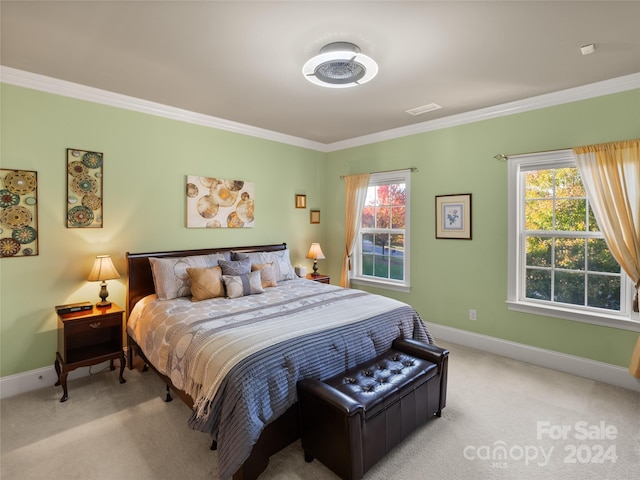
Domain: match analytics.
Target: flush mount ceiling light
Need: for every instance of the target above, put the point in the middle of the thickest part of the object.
(340, 65)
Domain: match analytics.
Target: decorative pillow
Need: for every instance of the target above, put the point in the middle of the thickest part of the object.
(235, 267)
(280, 260)
(284, 263)
(206, 283)
(267, 274)
(241, 285)
(170, 274)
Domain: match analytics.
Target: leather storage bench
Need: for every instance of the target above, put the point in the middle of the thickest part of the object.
(350, 421)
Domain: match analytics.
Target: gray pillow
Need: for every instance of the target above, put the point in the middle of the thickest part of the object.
(235, 267)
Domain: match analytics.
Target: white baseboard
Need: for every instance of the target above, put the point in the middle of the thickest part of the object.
(12, 385)
(582, 367)
(602, 372)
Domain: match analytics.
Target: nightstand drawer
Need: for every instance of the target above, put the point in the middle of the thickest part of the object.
(76, 327)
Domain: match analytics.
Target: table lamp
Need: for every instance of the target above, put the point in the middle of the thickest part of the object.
(315, 253)
(103, 270)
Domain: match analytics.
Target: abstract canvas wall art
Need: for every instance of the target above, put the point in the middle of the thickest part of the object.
(18, 213)
(218, 203)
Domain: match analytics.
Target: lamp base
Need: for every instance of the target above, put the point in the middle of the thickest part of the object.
(103, 296)
(315, 268)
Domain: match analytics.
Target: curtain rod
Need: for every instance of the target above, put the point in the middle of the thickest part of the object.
(503, 156)
(411, 169)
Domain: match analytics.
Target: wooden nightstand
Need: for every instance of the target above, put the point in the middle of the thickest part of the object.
(319, 278)
(88, 338)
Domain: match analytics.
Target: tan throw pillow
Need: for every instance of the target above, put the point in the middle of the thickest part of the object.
(241, 285)
(267, 274)
(206, 283)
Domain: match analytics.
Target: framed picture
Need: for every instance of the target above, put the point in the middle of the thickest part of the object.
(301, 201)
(18, 213)
(315, 216)
(84, 188)
(217, 203)
(453, 216)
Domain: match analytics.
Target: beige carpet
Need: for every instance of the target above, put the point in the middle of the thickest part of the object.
(504, 420)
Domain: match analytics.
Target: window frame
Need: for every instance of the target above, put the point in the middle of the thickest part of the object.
(356, 276)
(516, 265)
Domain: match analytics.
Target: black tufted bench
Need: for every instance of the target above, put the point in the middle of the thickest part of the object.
(350, 421)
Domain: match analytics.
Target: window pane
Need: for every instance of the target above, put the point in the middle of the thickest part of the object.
(539, 215)
(367, 264)
(381, 266)
(539, 251)
(397, 257)
(568, 183)
(368, 220)
(383, 195)
(600, 258)
(571, 215)
(399, 194)
(538, 284)
(539, 184)
(367, 243)
(397, 217)
(603, 292)
(383, 217)
(569, 287)
(593, 224)
(381, 243)
(569, 253)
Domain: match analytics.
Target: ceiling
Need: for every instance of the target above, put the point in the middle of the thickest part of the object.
(242, 61)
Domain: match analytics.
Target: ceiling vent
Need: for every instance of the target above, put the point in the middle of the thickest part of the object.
(424, 109)
(340, 65)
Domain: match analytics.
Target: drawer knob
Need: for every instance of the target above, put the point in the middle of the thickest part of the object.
(95, 324)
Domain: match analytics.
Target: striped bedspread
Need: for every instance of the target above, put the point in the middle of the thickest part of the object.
(240, 359)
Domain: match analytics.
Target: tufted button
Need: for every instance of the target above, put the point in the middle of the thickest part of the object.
(368, 373)
(350, 380)
(408, 363)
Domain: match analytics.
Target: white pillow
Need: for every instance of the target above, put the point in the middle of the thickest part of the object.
(170, 275)
(281, 262)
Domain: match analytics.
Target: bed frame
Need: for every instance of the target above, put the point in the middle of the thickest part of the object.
(277, 435)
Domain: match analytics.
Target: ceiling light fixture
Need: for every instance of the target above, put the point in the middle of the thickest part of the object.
(340, 65)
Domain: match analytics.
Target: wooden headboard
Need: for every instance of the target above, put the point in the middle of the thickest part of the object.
(140, 279)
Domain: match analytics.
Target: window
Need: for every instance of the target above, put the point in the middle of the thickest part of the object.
(382, 250)
(559, 262)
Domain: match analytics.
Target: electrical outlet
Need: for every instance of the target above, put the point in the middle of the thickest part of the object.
(472, 314)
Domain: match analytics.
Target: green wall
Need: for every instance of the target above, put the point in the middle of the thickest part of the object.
(449, 277)
(148, 157)
(146, 160)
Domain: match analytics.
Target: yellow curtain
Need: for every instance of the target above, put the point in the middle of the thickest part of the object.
(611, 176)
(356, 194)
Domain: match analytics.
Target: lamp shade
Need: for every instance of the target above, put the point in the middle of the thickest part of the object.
(315, 252)
(103, 269)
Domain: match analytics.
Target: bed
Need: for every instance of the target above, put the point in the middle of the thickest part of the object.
(236, 361)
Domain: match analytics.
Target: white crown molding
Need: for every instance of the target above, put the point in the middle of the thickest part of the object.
(606, 87)
(43, 83)
(582, 367)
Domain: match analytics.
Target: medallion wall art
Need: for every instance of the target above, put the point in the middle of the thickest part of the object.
(18, 213)
(217, 203)
(84, 189)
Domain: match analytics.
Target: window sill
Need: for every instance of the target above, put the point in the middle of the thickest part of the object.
(614, 321)
(381, 284)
